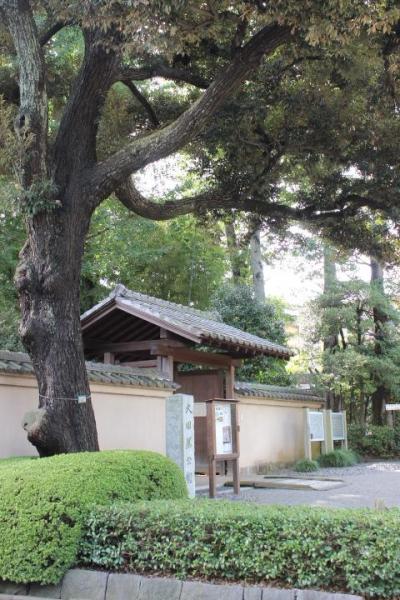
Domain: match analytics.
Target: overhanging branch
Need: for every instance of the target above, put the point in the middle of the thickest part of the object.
(164, 71)
(105, 177)
(51, 31)
(219, 198)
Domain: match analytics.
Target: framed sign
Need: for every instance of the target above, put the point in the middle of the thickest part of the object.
(316, 426)
(223, 428)
(338, 427)
(222, 439)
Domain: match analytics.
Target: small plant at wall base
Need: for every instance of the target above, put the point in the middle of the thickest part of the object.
(305, 465)
(338, 458)
(44, 502)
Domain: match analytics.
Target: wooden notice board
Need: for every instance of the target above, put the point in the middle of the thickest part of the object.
(222, 439)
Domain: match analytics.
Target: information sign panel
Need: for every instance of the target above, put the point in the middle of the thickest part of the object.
(338, 429)
(223, 428)
(316, 425)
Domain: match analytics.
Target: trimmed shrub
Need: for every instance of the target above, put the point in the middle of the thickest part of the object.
(44, 501)
(338, 458)
(377, 440)
(350, 550)
(305, 465)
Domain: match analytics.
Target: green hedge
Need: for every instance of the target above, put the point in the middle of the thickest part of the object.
(377, 440)
(349, 550)
(43, 503)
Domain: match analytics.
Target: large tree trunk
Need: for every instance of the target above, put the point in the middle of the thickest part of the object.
(331, 339)
(256, 263)
(48, 283)
(234, 251)
(381, 394)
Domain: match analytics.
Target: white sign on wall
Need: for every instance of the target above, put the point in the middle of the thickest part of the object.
(316, 426)
(338, 428)
(223, 428)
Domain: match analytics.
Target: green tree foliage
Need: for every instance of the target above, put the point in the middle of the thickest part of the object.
(238, 307)
(180, 260)
(313, 138)
(11, 240)
(351, 368)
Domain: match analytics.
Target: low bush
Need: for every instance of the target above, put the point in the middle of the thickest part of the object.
(43, 503)
(338, 458)
(350, 550)
(377, 440)
(305, 465)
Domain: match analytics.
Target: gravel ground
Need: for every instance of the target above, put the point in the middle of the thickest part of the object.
(374, 484)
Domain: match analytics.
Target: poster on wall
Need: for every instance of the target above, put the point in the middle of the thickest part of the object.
(223, 428)
(316, 426)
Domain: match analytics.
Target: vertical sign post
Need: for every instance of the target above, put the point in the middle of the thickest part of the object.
(222, 440)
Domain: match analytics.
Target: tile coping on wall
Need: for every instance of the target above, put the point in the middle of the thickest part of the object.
(83, 584)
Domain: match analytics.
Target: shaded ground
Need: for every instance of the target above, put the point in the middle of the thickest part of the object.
(375, 484)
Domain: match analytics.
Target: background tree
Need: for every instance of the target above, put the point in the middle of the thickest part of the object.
(238, 306)
(353, 370)
(179, 260)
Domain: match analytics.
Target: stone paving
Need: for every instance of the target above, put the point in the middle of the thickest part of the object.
(373, 484)
(82, 584)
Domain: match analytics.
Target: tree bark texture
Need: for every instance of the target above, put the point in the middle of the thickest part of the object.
(331, 339)
(257, 267)
(381, 395)
(234, 251)
(47, 280)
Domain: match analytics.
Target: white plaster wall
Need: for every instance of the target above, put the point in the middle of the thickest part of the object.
(18, 395)
(270, 432)
(127, 417)
(130, 421)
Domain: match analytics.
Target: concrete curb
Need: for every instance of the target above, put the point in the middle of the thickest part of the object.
(82, 584)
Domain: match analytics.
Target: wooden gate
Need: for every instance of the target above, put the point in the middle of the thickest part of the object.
(202, 385)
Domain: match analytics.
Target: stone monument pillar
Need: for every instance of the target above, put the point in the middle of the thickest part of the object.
(180, 436)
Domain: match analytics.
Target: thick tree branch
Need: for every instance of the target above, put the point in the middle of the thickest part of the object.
(239, 36)
(51, 31)
(31, 122)
(75, 146)
(143, 101)
(112, 172)
(10, 88)
(164, 71)
(220, 198)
